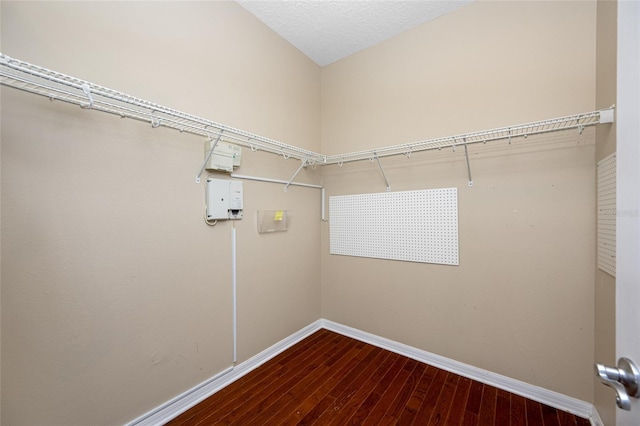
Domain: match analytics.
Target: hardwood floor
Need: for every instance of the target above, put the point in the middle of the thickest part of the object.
(330, 379)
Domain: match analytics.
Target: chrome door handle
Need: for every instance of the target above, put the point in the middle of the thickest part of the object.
(625, 380)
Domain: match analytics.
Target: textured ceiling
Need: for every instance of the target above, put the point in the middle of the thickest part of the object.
(327, 30)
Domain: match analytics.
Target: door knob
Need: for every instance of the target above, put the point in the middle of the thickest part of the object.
(625, 380)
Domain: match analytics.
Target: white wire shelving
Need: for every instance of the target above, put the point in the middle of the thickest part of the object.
(60, 87)
(56, 86)
(577, 121)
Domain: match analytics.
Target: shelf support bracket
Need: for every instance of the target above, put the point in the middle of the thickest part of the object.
(87, 91)
(382, 170)
(208, 157)
(304, 163)
(466, 155)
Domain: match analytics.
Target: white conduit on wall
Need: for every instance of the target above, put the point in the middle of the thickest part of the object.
(182, 396)
(234, 294)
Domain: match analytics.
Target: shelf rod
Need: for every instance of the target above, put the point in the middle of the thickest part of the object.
(270, 180)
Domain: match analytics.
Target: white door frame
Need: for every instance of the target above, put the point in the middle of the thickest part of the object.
(628, 194)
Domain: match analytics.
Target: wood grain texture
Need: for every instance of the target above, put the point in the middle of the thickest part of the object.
(330, 379)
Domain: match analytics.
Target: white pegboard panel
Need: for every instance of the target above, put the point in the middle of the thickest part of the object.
(607, 214)
(415, 226)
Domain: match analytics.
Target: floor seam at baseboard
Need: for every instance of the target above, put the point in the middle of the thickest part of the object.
(198, 393)
(533, 392)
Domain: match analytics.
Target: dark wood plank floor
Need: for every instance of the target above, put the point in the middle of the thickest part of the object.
(330, 379)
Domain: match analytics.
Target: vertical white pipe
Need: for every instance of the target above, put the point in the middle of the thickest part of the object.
(233, 284)
(322, 204)
(166, 411)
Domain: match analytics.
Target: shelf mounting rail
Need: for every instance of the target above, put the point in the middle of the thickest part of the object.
(56, 86)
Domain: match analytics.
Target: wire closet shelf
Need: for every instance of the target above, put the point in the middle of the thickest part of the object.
(57, 86)
(577, 121)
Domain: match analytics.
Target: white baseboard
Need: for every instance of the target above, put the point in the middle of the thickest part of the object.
(595, 418)
(536, 393)
(181, 403)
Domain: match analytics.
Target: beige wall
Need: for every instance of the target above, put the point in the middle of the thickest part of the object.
(116, 296)
(115, 293)
(521, 301)
(605, 284)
